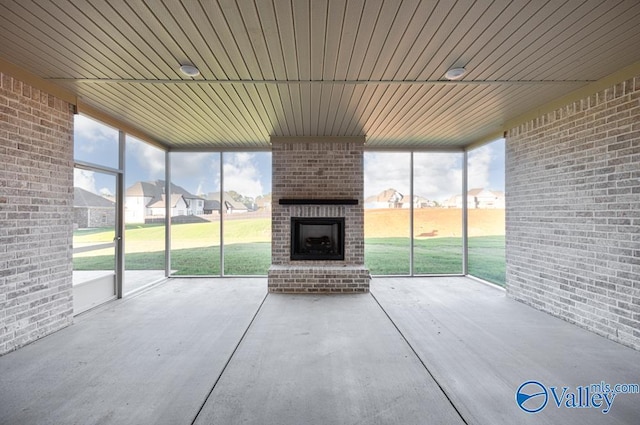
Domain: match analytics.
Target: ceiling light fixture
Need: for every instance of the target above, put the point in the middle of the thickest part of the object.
(189, 70)
(455, 74)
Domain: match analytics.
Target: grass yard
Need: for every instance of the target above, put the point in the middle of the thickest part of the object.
(248, 251)
(196, 247)
(389, 256)
(487, 258)
(247, 258)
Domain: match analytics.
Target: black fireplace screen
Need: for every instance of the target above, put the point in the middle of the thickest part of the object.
(317, 238)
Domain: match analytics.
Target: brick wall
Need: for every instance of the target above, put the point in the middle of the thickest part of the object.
(36, 191)
(318, 168)
(573, 213)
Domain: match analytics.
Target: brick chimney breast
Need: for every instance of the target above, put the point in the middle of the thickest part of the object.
(318, 177)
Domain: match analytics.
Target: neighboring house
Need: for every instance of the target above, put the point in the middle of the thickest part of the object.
(211, 206)
(147, 200)
(391, 198)
(454, 202)
(478, 199)
(91, 210)
(178, 206)
(230, 205)
(420, 202)
(483, 199)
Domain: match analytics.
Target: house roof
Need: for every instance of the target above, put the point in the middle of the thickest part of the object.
(145, 189)
(475, 192)
(211, 204)
(84, 199)
(320, 68)
(384, 196)
(478, 191)
(155, 190)
(228, 200)
(160, 203)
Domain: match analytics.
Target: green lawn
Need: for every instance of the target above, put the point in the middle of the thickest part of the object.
(388, 256)
(248, 251)
(487, 258)
(247, 258)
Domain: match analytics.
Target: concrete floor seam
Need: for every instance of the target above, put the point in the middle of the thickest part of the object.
(415, 353)
(224, 368)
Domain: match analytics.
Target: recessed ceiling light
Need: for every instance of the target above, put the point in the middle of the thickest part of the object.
(455, 73)
(189, 70)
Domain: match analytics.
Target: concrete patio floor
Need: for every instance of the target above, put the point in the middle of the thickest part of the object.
(220, 351)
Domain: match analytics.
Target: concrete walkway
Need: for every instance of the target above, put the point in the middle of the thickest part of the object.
(215, 351)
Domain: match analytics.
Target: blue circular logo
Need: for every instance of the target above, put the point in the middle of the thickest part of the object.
(532, 396)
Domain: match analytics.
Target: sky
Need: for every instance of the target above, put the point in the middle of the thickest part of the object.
(486, 166)
(437, 176)
(248, 173)
(97, 144)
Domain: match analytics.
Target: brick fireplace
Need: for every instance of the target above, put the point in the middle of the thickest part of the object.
(318, 182)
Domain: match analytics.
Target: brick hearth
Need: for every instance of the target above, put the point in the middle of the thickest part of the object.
(322, 168)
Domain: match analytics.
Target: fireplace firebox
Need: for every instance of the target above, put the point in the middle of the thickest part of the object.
(317, 238)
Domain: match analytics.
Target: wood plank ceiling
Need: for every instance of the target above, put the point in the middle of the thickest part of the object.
(320, 67)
